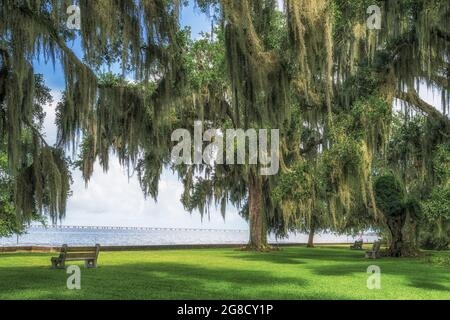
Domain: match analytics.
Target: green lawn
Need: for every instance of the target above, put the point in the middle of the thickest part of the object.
(292, 273)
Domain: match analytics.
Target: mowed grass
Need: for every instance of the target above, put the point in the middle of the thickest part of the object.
(291, 273)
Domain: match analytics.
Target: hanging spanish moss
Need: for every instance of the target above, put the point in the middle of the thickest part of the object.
(343, 81)
(40, 173)
(312, 69)
(143, 37)
(44, 185)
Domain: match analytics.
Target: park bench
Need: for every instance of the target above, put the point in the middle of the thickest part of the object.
(87, 254)
(357, 245)
(375, 252)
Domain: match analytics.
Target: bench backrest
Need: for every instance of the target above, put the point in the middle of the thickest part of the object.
(79, 252)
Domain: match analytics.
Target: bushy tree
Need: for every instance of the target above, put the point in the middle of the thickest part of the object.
(10, 221)
(263, 66)
(393, 201)
(435, 228)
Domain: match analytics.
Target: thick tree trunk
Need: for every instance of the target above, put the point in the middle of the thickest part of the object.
(258, 230)
(403, 242)
(409, 236)
(311, 237)
(4, 74)
(397, 245)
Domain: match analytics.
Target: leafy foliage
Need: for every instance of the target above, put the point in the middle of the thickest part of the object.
(330, 92)
(389, 195)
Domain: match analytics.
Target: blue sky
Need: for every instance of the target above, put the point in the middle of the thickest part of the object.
(111, 198)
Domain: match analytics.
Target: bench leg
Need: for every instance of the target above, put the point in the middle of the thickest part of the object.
(58, 263)
(90, 264)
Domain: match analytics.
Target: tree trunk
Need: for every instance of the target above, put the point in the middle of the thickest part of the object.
(395, 225)
(403, 236)
(258, 230)
(311, 237)
(410, 235)
(3, 81)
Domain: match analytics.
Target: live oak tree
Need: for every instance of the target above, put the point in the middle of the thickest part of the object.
(418, 154)
(16, 193)
(435, 233)
(313, 67)
(397, 207)
(435, 230)
(141, 36)
(373, 69)
(301, 189)
(263, 61)
(9, 223)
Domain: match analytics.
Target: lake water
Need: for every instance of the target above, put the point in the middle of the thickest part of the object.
(91, 235)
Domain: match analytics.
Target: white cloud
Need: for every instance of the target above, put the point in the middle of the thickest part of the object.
(49, 121)
(280, 5)
(113, 199)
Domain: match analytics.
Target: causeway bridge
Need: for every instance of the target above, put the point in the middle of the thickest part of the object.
(56, 227)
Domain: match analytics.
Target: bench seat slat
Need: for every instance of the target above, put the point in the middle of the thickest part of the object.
(80, 249)
(88, 254)
(80, 255)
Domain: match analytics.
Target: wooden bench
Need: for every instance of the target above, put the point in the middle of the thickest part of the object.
(375, 252)
(357, 245)
(87, 254)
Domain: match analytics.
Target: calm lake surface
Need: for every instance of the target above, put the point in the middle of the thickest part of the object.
(91, 235)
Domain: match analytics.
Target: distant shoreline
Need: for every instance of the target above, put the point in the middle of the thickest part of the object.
(155, 238)
(5, 249)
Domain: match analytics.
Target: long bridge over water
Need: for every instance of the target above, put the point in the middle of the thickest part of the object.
(61, 227)
(130, 228)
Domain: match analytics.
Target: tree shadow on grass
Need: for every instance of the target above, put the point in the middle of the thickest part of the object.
(417, 276)
(149, 281)
(174, 280)
(301, 255)
(277, 257)
(14, 255)
(426, 284)
(338, 269)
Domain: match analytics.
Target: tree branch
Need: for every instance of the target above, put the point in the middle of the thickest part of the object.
(440, 81)
(441, 34)
(412, 98)
(48, 24)
(36, 132)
